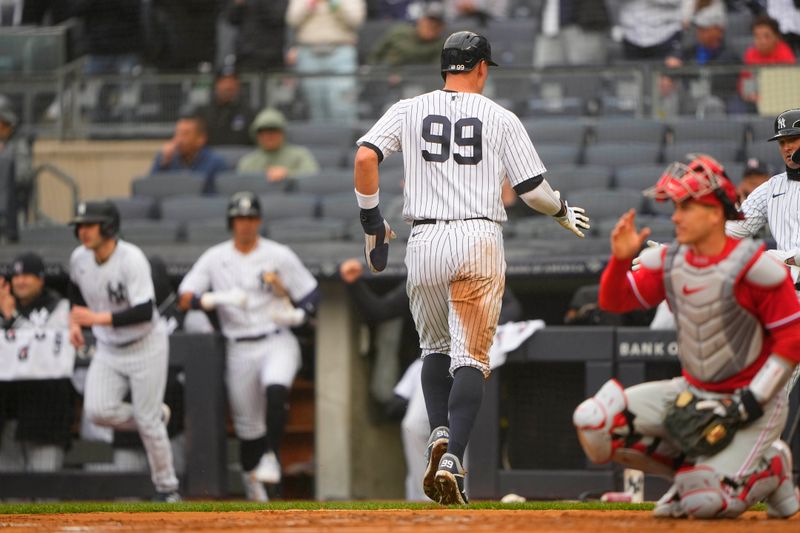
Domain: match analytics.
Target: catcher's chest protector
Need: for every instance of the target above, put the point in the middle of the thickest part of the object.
(717, 337)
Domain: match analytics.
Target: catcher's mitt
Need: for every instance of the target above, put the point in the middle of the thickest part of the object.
(702, 426)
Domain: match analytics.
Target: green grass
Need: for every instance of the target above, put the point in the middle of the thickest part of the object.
(223, 506)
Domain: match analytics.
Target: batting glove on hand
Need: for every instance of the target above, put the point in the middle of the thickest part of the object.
(377, 235)
(288, 316)
(574, 220)
(636, 264)
(235, 298)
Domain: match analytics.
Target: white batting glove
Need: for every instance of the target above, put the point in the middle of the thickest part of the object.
(234, 298)
(574, 220)
(637, 262)
(288, 316)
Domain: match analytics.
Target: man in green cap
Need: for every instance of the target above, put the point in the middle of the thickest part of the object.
(274, 156)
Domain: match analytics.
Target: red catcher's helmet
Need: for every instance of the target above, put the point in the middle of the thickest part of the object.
(701, 178)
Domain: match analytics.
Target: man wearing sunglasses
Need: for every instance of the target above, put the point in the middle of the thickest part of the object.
(715, 430)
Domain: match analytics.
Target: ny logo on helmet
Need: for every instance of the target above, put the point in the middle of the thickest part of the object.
(245, 203)
(82, 209)
(781, 123)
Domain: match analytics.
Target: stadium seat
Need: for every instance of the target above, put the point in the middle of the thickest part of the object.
(326, 182)
(293, 230)
(538, 228)
(680, 131)
(638, 177)
(768, 153)
(344, 206)
(558, 153)
(660, 226)
(314, 134)
(150, 231)
(555, 131)
(720, 150)
(8, 204)
(663, 209)
(166, 184)
(193, 208)
(627, 129)
(207, 232)
(231, 154)
(46, 235)
(228, 183)
(568, 178)
(616, 154)
(279, 206)
(329, 157)
(136, 207)
(759, 130)
(605, 203)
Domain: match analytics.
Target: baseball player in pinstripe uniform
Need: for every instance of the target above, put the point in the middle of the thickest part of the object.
(457, 146)
(112, 292)
(777, 203)
(260, 289)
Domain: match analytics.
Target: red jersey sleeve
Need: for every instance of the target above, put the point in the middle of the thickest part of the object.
(778, 309)
(622, 290)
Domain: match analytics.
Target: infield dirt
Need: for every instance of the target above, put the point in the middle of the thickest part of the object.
(337, 521)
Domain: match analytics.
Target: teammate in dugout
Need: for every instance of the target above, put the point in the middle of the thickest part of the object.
(715, 431)
(458, 147)
(112, 292)
(42, 407)
(260, 289)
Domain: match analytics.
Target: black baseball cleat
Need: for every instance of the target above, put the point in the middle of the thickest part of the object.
(437, 446)
(168, 497)
(450, 481)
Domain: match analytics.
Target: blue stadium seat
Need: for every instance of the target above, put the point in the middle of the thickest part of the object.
(606, 203)
(638, 177)
(558, 153)
(327, 182)
(293, 230)
(228, 183)
(194, 208)
(279, 206)
(706, 130)
(142, 232)
(314, 134)
(616, 154)
(47, 235)
(136, 207)
(568, 178)
(207, 232)
(628, 129)
(555, 131)
(231, 154)
(719, 150)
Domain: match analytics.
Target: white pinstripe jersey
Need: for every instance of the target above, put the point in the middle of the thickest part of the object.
(123, 281)
(775, 202)
(223, 267)
(457, 148)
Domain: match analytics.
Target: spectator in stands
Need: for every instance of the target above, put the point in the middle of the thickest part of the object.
(182, 35)
(755, 173)
(262, 33)
(17, 147)
(651, 29)
(274, 156)
(787, 13)
(709, 49)
(326, 32)
(228, 116)
(574, 32)
(112, 32)
(768, 48)
(187, 151)
(43, 408)
(417, 44)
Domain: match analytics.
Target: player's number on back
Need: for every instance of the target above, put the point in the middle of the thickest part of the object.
(437, 129)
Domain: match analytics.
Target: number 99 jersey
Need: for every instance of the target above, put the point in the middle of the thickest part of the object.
(457, 148)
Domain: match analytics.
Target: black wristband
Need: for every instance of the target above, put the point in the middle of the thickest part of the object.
(751, 405)
(563, 211)
(371, 220)
(194, 303)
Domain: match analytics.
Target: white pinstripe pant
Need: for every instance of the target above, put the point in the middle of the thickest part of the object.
(456, 276)
(649, 402)
(252, 367)
(142, 369)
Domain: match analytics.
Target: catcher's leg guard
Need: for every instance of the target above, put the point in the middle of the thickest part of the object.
(702, 494)
(784, 501)
(596, 419)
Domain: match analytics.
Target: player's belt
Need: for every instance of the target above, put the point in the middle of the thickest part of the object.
(256, 338)
(434, 221)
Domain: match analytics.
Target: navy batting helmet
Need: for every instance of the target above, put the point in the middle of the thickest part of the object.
(787, 124)
(104, 213)
(463, 50)
(243, 204)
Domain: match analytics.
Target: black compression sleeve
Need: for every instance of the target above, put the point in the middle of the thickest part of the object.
(74, 295)
(528, 185)
(133, 315)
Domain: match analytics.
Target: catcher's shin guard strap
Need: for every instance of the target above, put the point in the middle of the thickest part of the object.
(596, 419)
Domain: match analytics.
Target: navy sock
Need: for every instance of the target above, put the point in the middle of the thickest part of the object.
(465, 402)
(277, 415)
(436, 383)
(250, 452)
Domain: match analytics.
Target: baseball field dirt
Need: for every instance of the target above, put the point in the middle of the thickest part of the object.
(395, 521)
